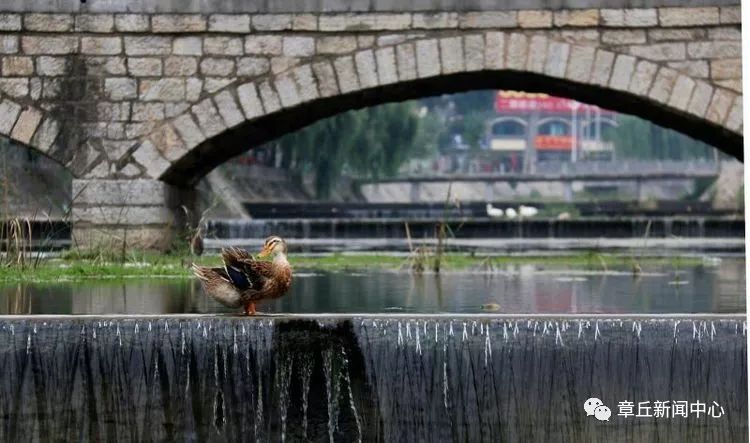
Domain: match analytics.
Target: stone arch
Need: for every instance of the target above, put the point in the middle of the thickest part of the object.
(240, 116)
(31, 127)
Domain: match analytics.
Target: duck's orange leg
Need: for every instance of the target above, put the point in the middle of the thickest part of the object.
(250, 309)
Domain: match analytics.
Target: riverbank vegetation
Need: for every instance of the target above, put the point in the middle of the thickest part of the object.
(145, 265)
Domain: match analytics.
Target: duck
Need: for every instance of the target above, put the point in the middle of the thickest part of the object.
(493, 211)
(527, 211)
(511, 213)
(244, 281)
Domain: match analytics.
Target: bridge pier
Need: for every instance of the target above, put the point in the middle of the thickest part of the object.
(128, 214)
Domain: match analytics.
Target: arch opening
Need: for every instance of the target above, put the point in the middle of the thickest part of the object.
(200, 160)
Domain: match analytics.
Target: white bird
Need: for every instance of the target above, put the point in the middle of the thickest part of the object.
(493, 211)
(563, 216)
(527, 211)
(511, 213)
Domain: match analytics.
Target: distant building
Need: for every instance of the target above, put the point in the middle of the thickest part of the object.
(534, 127)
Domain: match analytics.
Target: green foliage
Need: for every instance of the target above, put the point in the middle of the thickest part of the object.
(368, 143)
(635, 137)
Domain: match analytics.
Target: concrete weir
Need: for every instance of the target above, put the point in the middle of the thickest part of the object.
(371, 378)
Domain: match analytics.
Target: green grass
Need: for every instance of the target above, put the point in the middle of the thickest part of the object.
(153, 266)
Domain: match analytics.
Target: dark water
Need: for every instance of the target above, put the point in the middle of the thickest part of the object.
(365, 379)
(671, 288)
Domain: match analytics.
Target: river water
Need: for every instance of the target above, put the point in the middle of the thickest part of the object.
(711, 287)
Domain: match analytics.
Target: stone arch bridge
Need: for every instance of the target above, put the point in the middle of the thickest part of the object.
(139, 101)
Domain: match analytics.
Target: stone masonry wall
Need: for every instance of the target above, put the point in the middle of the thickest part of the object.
(123, 96)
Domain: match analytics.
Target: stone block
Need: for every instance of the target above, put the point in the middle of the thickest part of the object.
(602, 67)
(366, 68)
(263, 44)
(537, 54)
(94, 23)
(365, 41)
(725, 33)
(406, 62)
(681, 91)
(428, 58)
(557, 59)
(643, 77)
(15, 87)
(117, 193)
(120, 88)
(287, 90)
(336, 44)
(101, 45)
(701, 98)
(112, 111)
(622, 72)
(148, 112)
(663, 84)
(488, 20)
(8, 44)
(305, 22)
(298, 46)
(272, 22)
(187, 46)
(165, 89)
(659, 51)
(152, 161)
(17, 66)
(576, 17)
(535, 19)
(281, 64)
(434, 20)
(175, 23)
(326, 77)
(714, 49)
(727, 15)
(220, 67)
(252, 66)
(180, 66)
(676, 34)
(734, 119)
(48, 22)
(581, 63)
(9, 111)
(303, 77)
(629, 18)
(194, 86)
(515, 57)
(10, 22)
(223, 46)
(624, 37)
(494, 50)
(46, 134)
(26, 125)
(188, 130)
(386, 61)
(249, 101)
(32, 45)
(694, 68)
(346, 73)
(131, 22)
(720, 104)
(726, 68)
(148, 45)
(233, 23)
(452, 55)
(208, 118)
(228, 109)
(474, 52)
(144, 66)
(269, 97)
(683, 16)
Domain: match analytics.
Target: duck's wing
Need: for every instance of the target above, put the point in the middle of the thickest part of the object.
(243, 270)
(218, 285)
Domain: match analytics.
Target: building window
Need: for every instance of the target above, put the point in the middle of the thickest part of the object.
(508, 128)
(556, 127)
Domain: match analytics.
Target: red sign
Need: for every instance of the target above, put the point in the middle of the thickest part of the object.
(516, 101)
(553, 142)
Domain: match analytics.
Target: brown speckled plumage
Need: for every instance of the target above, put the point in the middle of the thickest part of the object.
(243, 280)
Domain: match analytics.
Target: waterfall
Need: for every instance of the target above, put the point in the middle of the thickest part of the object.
(365, 379)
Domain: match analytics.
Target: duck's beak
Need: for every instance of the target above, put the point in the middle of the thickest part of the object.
(264, 252)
